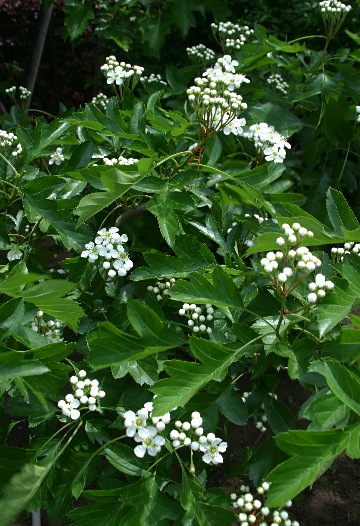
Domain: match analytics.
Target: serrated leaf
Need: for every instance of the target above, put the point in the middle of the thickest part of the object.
(314, 452)
(187, 260)
(21, 489)
(222, 292)
(342, 380)
(123, 458)
(186, 378)
(340, 213)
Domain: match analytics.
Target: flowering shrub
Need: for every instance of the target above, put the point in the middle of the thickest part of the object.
(194, 246)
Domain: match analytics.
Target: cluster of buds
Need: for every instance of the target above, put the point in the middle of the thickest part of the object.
(200, 53)
(121, 74)
(57, 157)
(51, 329)
(287, 268)
(108, 251)
(8, 141)
(191, 434)
(268, 141)
(161, 288)
(253, 510)
(197, 318)
(100, 100)
(24, 93)
(278, 82)
(348, 248)
(86, 394)
(214, 100)
(121, 160)
(249, 241)
(318, 288)
(146, 434)
(333, 14)
(153, 77)
(259, 418)
(231, 36)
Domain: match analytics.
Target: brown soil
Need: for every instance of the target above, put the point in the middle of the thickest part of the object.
(333, 499)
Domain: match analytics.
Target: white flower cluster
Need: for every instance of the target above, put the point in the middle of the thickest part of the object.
(254, 511)
(8, 140)
(197, 319)
(57, 157)
(201, 53)
(318, 288)
(153, 77)
(214, 100)
(11, 91)
(278, 82)
(288, 268)
(192, 434)
(333, 7)
(85, 393)
(24, 93)
(232, 36)
(121, 73)
(108, 250)
(161, 288)
(121, 160)
(100, 100)
(51, 329)
(148, 437)
(269, 141)
(348, 248)
(333, 14)
(358, 113)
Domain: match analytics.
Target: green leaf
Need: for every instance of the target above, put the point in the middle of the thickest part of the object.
(123, 458)
(13, 364)
(78, 19)
(80, 157)
(117, 184)
(342, 380)
(187, 260)
(340, 213)
(327, 411)
(232, 407)
(47, 296)
(98, 513)
(22, 487)
(314, 452)
(154, 30)
(182, 16)
(45, 135)
(138, 119)
(109, 345)
(279, 416)
(186, 378)
(353, 446)
(162, 206)
(222, 292)
(11, 314)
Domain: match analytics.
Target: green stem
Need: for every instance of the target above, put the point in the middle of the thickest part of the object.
(305, 38)
(9, 163)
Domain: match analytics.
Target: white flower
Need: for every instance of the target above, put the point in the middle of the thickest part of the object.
(57, 157)
(134, 422)
(212, 450)
(14, 253)
(151, 442)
